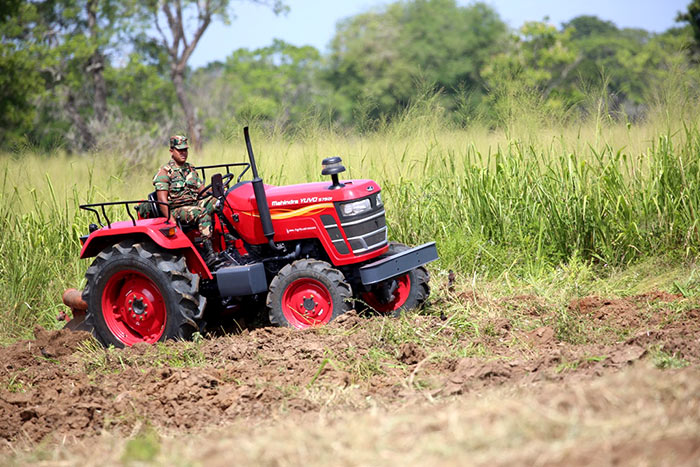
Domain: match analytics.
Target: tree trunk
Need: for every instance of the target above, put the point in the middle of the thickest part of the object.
(87, 140)
(96, 65)
(188, 109)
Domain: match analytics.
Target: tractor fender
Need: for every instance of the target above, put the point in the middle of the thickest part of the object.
(164, 234)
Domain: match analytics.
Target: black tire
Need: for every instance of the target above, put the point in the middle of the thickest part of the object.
(144, 274)
(308, 293)
(410, 291)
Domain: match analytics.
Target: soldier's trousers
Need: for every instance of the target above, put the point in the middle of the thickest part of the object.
(199, 214)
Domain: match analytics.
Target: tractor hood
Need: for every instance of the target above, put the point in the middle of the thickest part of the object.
(241, 197)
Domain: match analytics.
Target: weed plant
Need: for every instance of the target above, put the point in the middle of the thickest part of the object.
(515, 201)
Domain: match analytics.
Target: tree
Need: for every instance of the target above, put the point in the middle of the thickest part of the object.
(276, 85)
(586, 26)
(692, 17)
(380, 55)
(186, 22)
(20, 80)
(87, 31)
(142, 91)
(612, 57)
(96, 62)
(59, 49)
(539, 61)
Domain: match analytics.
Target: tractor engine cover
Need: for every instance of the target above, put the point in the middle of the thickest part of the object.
(349, 221)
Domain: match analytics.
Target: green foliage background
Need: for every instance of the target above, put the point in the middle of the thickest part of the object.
(378, 63)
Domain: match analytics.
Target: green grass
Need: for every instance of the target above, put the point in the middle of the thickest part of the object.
(96, 359)
(143, 447)
(666, 360)
(553, 210)
(16, 384)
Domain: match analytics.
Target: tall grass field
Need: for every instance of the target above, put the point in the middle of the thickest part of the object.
(509, 203)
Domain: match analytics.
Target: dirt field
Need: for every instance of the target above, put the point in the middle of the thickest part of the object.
(603, 381)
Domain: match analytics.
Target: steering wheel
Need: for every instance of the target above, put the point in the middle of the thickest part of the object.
(207, 191)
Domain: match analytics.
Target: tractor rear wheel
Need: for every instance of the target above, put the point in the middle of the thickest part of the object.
(138, 293)
(400, 294)
(308, 293)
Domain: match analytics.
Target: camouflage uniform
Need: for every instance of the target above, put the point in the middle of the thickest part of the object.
(182, 184)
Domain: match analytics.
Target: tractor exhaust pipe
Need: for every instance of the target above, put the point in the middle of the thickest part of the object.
(261, 197)
(73, 299)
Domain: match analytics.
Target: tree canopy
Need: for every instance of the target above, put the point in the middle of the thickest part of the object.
(380, 55)
(83, 73)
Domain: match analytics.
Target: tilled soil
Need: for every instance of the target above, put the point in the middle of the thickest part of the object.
(61, 386)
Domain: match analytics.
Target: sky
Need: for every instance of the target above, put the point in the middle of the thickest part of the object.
(312, 22)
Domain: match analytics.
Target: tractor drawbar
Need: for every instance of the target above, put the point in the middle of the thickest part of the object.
(73, 299)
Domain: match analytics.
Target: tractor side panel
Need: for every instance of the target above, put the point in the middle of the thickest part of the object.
(307, 222)
(147, 229)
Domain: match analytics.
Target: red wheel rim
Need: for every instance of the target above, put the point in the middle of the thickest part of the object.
(306, 303)
(403, 289)
(133, 308)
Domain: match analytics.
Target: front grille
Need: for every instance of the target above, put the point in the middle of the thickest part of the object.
(367, 231)
(334, 234)
(369, 241)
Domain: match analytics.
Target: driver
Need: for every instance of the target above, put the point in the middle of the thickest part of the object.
(178, 184)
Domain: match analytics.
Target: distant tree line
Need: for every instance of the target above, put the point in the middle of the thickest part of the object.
(82, 74)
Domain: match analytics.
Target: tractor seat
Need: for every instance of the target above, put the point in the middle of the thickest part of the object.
(153, 211)
(148, 209)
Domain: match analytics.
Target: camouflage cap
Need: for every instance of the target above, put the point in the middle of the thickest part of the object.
(178, 142)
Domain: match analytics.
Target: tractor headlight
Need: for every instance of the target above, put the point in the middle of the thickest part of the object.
(379, 199)
(356, 207)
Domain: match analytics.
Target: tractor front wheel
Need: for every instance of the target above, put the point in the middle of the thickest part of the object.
(308, 293)
(400, 294)
(138, 293)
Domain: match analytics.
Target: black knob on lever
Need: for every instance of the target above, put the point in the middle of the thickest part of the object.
(333, 166)
(217, 186)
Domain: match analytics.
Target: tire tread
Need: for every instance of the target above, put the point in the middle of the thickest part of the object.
(184, 283)
(301, 266)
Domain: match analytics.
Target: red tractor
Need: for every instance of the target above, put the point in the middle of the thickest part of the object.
(307, 253)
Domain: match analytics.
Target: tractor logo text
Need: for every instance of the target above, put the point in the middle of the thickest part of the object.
(313, 199)
(285, 202)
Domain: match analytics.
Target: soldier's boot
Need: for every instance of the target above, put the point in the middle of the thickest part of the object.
(208, 253)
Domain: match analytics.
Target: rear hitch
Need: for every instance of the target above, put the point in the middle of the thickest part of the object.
(73, 299)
